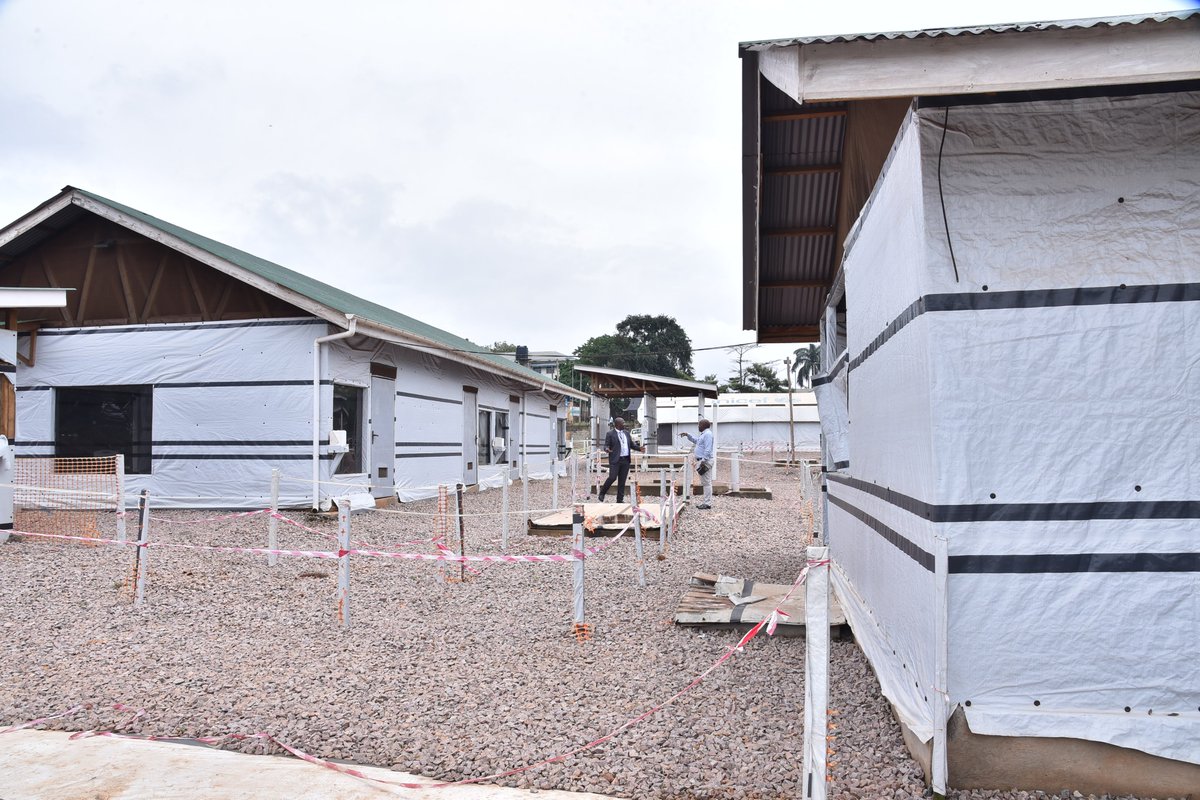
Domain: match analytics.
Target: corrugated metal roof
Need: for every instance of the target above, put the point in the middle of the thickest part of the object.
(321, 293)
(1007, 27)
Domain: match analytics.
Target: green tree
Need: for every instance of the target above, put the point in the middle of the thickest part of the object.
(502, 346)
(759, 377)
(807, 365)
(662, 345)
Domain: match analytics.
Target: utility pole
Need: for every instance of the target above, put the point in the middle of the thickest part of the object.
(787, 368)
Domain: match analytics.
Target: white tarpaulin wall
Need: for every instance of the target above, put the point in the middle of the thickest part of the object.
(748, 420)
(1042, 413)
(232, 400)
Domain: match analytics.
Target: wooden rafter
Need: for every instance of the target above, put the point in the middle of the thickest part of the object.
(154, 284)
(191, 276)
(81, 311)
(799, 232)
(126, 287)
(793, 284)
(802, 115)
(226, 293)
(824, 169)
(53, 284)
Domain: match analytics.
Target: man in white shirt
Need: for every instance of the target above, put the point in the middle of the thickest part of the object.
(705, 460)
(618, 444)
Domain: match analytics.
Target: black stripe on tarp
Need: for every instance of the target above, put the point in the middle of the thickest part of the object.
(429, 397)
(1028, 512)
(1076, 562)
(237, 456)
(428, 455)
(33, 388)
(6, 526)
(224, 384)
(841, 465)
(428, 444)
(842, 361)
(8, 367)
(904, 545)
(235, 443)
(1033, 298)
(151, 328)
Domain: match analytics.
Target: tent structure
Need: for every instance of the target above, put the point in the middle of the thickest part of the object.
(748, 420)
(994, 231)
(207, 367)
(609, 384)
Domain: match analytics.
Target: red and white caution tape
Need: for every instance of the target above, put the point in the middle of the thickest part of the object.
(216, 741)
(169, 521)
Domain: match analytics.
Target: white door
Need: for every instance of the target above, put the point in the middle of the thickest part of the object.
(470, 436)
(383, 436)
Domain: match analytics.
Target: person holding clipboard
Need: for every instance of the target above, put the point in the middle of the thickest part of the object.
(704, 454)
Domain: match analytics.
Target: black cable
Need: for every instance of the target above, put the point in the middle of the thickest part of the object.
(945, 222)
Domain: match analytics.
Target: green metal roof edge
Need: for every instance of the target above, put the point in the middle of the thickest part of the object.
(330, 296)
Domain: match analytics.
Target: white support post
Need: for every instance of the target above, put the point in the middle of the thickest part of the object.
(525, 492)
(574, 478)
(343, 587)
(671, 505)
(637, 537)
(816, 677)
(577, 550)
(735, 472)
(143, 555)
(554, 482)
(941, 691)
(273, 521)
(121, 532)
(504, 511)
(662, 486)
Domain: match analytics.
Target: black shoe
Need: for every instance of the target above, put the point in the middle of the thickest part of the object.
(600, 499)
(705, 506)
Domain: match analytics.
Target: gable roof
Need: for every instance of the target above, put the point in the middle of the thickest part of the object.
(820, 113)
(322, 300)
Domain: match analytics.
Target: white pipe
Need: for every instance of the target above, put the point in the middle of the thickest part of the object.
(316, 414)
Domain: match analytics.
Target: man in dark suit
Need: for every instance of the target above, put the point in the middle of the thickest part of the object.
(619, 445)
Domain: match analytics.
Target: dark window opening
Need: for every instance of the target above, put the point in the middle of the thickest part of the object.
(348, 417)
(104, 421)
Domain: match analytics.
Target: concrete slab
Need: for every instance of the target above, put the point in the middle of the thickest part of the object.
(45, 765)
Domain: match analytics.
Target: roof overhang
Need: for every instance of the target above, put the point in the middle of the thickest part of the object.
(839, 101)
(608, 382)
(65, 208)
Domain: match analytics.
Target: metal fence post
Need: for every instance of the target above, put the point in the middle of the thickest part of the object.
(816, 676)
(273, 521)
(577, 551)
(343, 588)
(143, 557)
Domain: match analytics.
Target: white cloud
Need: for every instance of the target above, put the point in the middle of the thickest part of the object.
(524, 171)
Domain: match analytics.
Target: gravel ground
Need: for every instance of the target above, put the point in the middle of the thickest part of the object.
(445, 679)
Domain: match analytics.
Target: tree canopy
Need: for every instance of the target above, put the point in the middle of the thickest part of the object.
(808, 364)
(653, 344)
(758, 377)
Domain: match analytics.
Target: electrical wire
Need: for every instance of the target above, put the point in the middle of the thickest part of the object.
(945, 221)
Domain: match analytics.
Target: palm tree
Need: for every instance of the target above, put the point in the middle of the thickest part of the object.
(807, 364)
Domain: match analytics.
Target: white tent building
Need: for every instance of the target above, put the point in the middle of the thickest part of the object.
(207, 367)
(1000, 247)
(746, 421)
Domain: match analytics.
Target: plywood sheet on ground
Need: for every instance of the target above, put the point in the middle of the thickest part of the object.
(609, 518)
(710, 601)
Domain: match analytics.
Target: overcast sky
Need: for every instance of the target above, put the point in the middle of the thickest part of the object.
(523, 171)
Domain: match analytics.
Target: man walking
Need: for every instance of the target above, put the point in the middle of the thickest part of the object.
(618, 444)
(704, 454)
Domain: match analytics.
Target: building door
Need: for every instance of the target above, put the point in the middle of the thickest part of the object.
(383, 430)
(470, 435)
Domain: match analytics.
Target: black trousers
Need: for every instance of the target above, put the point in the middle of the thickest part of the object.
(617, 471)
